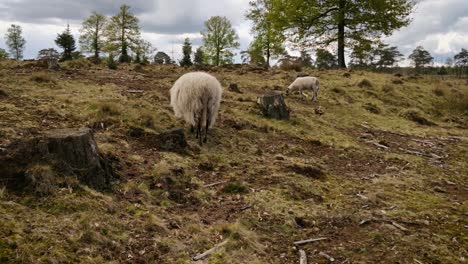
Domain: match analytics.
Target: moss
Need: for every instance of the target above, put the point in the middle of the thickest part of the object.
(235, 188)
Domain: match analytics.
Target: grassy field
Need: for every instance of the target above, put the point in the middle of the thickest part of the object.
(382, 174)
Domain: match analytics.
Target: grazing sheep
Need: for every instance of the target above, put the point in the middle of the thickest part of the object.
(196, 97)
(305, 83)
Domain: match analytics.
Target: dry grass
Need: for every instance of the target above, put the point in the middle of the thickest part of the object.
(282, 181)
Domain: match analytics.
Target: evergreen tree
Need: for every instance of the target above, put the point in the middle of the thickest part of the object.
(187, 54)
(386, 56)
(306, 59)
(199, 57)
(143, 51)
(420, 57)
(66, 41)
(92, 35)
(219, 39)
(461, 59)
(123, 33)
(15, 41)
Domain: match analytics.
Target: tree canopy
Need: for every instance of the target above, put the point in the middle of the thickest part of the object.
(461, 59)
(162, 58)
(420, 57)
(267, 39)
(15, 41)
(123, 33)
(219, 39)
(347, 23)
(92, 34)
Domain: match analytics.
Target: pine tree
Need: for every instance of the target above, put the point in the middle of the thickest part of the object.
(15, 41)
(187, 54)
(325, 60)
(199, 58)
(420, 57)
(66, 41)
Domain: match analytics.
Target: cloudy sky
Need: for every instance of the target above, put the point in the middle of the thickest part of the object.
(441, 26)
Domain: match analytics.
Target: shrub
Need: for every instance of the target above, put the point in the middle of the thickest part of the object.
(110, 62)
(291, 65)
(80, 63)
(364, 83)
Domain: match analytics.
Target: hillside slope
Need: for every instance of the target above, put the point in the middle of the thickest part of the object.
(381, 174)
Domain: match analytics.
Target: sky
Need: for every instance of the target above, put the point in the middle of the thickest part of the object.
(440, 26)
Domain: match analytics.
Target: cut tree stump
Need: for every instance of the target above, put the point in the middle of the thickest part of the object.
(273, 105)
(69, 152)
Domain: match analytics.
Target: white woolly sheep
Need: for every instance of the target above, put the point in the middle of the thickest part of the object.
(305, 83)
(196, 97)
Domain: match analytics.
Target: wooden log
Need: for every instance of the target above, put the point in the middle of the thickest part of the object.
(302, 242)
(209, 251)
(302, 257)
(273, 105)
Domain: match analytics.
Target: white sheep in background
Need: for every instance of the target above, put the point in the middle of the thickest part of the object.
(305, 83)
(196, 97)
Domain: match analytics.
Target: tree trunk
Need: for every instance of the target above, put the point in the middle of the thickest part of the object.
(341, 34)
(273, 106)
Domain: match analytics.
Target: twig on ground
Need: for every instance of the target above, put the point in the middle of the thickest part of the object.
(325, 255)
(302, 242)
(209, 251)
(214, 184)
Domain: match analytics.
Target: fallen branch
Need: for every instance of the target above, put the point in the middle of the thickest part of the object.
(214, 184)
(135, 91)
(302, 257)
(325, 255)
(302, 242)
(209, 251)
(380, 145)
(395, 224)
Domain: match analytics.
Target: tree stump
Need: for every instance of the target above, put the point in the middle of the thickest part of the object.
(273, 106)
(69, 152)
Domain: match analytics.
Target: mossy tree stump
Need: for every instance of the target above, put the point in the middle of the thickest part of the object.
(70, 152)
(273, 106)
